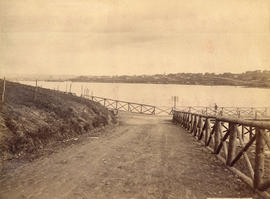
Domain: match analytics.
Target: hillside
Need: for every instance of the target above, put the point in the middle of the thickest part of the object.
(28, 125)
(248, 79)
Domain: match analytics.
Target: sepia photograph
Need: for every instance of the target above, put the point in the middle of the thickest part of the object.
(134, 99)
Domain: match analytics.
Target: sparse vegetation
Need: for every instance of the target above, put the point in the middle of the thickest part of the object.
(27, 125)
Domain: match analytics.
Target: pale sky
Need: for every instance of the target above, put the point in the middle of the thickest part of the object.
(110, 37)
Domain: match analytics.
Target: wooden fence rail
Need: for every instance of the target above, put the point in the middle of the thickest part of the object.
(243, 145)
(234, 112)
(131, 106)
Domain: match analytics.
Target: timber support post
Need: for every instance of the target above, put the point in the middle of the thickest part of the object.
(207, 131)
(191, 122)
(200, 134)
(250, 132)
(232, 143)
(195, 126)
(217, 139)
(259, 159)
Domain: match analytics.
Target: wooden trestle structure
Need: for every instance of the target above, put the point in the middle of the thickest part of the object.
(242, 145)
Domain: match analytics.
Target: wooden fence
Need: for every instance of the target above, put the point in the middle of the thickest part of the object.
(242, 145)
(131, 106)
(254, 113)
(236, 112)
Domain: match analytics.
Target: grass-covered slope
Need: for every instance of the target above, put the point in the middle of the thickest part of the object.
(27, 125)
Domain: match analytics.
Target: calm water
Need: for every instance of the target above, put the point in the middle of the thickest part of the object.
(161, 94)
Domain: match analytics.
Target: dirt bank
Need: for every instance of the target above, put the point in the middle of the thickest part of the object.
(28, 125)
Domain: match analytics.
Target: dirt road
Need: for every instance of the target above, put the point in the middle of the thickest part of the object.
(143, 157)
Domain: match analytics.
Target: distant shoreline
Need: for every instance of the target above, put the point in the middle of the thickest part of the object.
(169, 83)
(243, 86)
(249, 79)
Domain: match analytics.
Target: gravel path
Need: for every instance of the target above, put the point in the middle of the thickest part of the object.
(143, 157)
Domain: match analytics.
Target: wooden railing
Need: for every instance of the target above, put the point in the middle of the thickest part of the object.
(119, 105)
(242, 145)
(236, 112)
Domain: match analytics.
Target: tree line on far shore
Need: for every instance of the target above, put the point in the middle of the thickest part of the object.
(256, 78)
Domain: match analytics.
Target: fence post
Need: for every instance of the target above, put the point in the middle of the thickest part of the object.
(250, 132)
(195, 125)
(70, 87)
(232, 143)
(192, 123)
(217, 135)
(243, 132)
(182, 119)
(200, 128)
(207, 127)
(221, 113)
(116, 104)
(259, 159)
(4, 90)
(186, 120)
(84, 92)
(35, 93)
(238, 113)
(256, 115)
(81, 90)
(189, 121)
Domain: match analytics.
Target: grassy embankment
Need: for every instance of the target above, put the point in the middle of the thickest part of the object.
(28, 125)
